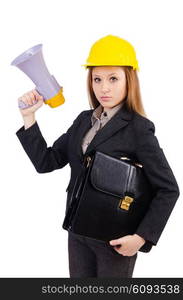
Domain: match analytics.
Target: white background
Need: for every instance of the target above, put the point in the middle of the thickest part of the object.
(32, 205)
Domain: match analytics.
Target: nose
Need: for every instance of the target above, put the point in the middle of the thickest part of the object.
(105, 87)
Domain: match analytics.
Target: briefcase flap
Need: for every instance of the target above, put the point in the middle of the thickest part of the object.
(112, 175)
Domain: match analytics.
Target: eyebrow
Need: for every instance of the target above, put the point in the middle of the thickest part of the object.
(108, 75)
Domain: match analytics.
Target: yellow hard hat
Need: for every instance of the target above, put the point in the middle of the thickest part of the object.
(112, 51)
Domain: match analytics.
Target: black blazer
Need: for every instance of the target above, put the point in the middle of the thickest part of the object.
(127, 132)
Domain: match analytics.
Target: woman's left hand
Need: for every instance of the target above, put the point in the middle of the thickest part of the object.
(128, 245)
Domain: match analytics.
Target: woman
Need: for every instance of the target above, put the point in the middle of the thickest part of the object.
(115, 124)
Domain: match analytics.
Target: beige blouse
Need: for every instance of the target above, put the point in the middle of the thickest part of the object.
(98, 120)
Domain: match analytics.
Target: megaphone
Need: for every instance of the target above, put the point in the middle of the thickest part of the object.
(32, 63)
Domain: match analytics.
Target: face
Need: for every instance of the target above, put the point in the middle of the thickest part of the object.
(109, 85)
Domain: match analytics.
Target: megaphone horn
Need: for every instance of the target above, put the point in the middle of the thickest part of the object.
(32, 63)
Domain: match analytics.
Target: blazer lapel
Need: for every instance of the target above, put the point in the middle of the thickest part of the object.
(118, 121)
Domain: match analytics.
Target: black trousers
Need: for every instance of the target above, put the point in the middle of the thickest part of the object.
(93, 258)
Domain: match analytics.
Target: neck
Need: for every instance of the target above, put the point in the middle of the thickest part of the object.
(106, 109)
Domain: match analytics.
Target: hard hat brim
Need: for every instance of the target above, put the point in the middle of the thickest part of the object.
(120, 65)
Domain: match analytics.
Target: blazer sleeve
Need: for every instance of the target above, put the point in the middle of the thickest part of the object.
(162, 179)
(46, 159)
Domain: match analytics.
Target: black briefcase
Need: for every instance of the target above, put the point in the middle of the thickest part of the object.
(109, 199)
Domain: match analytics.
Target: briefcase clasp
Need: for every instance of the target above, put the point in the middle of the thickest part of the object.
(126, 202)
(88, 159)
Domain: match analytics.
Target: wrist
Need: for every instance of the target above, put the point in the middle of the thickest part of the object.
(30, 116)
(29, 120)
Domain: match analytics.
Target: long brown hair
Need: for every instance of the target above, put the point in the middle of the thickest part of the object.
(133, 98)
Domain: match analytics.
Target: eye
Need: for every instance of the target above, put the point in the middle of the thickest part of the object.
(114, 78)
(96, 79)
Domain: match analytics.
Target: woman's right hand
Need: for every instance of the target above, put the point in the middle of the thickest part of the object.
(31, 98)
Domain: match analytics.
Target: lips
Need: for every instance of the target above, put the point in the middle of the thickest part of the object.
(105, 97)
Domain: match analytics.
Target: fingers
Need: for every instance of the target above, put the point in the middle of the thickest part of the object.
(31, 97)
(36, 95)
(115, 242)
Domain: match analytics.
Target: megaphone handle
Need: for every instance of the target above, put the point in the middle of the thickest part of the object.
(23, 105)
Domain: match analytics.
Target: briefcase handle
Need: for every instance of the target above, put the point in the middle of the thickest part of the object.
(129, 159)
